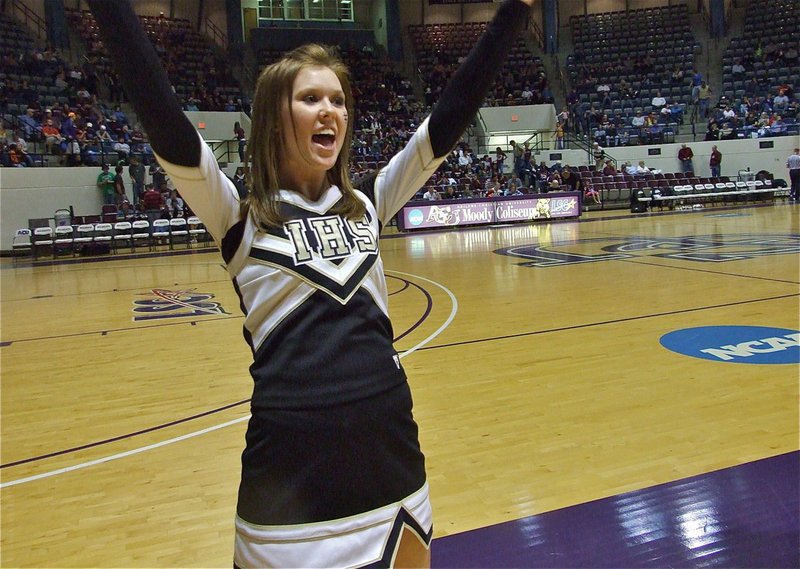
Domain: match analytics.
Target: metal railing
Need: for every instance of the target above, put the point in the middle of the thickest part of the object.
(31, 19)
(215, 33)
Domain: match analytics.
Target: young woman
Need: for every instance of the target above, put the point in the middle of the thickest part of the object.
(332, 472)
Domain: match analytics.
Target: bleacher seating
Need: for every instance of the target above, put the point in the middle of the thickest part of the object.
(438, 49)
(637, 54)
(761, 63)
(197, 74)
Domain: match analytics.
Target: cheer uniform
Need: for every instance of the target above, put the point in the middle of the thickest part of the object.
(332, 473)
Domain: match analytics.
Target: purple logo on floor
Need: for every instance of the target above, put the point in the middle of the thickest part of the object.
(736, 344)
(175, 304)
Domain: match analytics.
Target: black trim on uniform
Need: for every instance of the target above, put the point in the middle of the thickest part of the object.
(232, 240)
(311, 275)
(403, 518)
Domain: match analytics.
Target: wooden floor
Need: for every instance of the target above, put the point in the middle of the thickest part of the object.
(536, 387)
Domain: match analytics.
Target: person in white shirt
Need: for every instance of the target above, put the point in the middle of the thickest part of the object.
(122, 148)
(527, 94)
(658, 101)
(641, 169)
(430, 194)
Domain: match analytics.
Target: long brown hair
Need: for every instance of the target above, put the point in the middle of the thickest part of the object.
(274, 86)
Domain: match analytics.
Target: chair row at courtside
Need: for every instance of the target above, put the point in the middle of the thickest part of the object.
(100, 238)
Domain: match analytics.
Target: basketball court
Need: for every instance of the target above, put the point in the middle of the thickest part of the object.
(614, 391)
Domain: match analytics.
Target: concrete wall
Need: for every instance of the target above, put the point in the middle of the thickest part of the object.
(27, 193)
(736, 155)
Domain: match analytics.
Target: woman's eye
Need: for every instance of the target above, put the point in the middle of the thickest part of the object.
(338, 101)
(310, 99)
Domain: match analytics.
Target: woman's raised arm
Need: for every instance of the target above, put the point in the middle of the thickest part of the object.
(467, 88)
(171, 134)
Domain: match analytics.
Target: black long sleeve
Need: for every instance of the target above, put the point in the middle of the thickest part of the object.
(171, 134)
(467, 88)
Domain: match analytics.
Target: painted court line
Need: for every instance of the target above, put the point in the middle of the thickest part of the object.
(82, 465)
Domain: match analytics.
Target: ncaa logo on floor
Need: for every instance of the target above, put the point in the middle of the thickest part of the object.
(736, 344)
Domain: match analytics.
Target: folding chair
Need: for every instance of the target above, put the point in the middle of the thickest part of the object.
(84, 235)
(177, 231)
(197, 230)
(64, 239)
(123, 234)
(160, 232)
(103, 236)
(42, 237)
(140, 233)
(22, 242)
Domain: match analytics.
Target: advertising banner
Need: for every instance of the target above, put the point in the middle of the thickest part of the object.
(458, 213)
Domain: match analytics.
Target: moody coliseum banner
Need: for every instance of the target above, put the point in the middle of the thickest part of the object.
(457, 213)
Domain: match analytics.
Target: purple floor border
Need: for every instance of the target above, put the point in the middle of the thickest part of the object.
(743, 516)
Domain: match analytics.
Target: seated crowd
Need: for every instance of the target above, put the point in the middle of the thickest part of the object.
(465, 175)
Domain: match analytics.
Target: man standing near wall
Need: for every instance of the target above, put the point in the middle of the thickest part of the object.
(685, 156)
(715, 162)
(105, 183)
(793, 163)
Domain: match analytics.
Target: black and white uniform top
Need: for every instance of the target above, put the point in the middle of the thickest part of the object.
(313, 290)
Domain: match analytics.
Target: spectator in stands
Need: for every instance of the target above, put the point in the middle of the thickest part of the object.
(641, 169)
(105, 183)
(241, 138)
(608, 169)
(703, 98)
(68, 128)
(658, 101)
(17, 158)
(553, 182)
(738, 70)
(793, 164)
(629, 168)
(499, 161)
(685, 156)
(72, 152)
(52, 137)
(431, 194)
(21, 149)
(571, 179)
(464, 157)
(599, 156)
(638, 122)
(715, 162)
(122, 148)
(697, 81)
(527, 95)
(175, 204)
(151, 199)
(592, 193)
(31, 128)
(240, 181)
(158, 176)
(102, 134)
(119, 185)
(517, 152)
(136, 173)
(558, 135)
(780, 102)
(450, 193)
